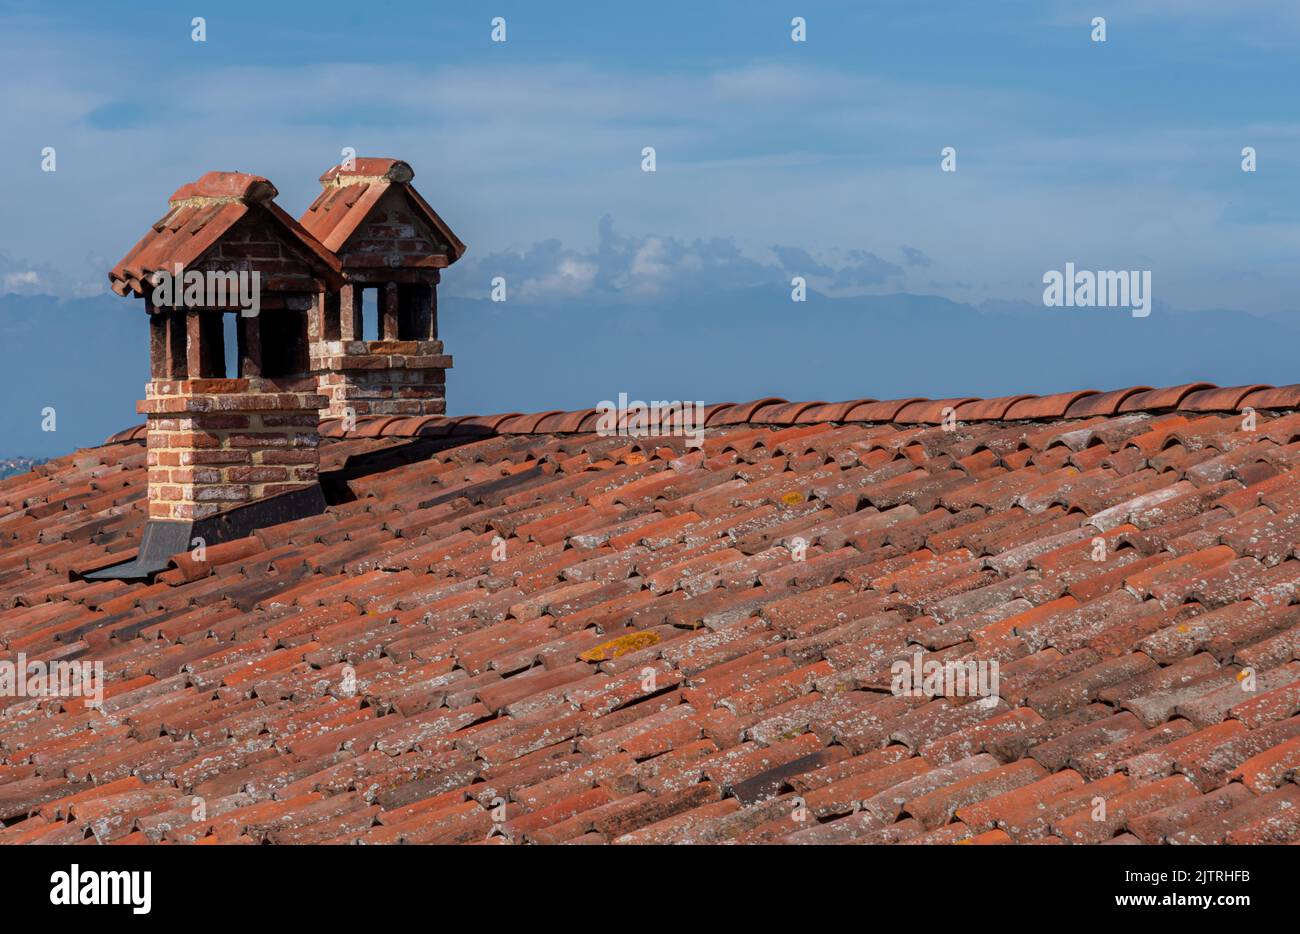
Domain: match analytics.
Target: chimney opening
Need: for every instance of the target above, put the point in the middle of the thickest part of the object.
(415, 317)
(205, 344)
(370, 314)
(233, 348)
(331, 319)
(284, 342)
(167, 340)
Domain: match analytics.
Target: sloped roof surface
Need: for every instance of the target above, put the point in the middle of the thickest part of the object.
(647, 661)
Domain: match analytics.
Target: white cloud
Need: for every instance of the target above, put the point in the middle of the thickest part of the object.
(634, 268)
(18, 277)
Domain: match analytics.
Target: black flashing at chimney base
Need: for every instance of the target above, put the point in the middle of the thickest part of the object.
(163, 538)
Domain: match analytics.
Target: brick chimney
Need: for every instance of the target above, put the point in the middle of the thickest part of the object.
(389, 240)
(225, 258)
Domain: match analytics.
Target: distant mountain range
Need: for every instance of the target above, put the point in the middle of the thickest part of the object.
(88, 358)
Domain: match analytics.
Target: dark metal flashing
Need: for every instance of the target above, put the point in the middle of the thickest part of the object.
(334, 483)
(163, 538)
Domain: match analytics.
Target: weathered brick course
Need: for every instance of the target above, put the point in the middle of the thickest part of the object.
(242, 440)
(381, 377)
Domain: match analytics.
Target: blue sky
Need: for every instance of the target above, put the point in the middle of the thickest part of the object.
(1123, 154)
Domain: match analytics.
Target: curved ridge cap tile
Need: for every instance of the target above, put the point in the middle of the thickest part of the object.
(484, 422)
(513, 424)
(881, 411)
(744, 411)
(1278, 397)
(1167, 397)
(332, 428)
(1103, 403)
(670, 420)
(435, 426)
(989, 410)
(338, 430)
(1044, 407)
(713, 411)
(571, 421)
(930, 411)
(787, 413)
(830, 411)
(624, 417)
(760, 414)
(372, 426)
(403, 427)
(589, 422)
(1223, 399)
(133, 433)
(673, 420)
(548, 423)
(527, 424)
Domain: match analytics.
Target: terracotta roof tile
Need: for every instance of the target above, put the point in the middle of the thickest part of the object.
(565, 422)
(1281, 397)
(1225, 399)
(1045, 407)
(829, 411)
(1102, 403)
(487, 422)
(786, 414)
(411, 427)
(526, 424)
(928, 412)
(744, 412)
(373, 426)
(883, 411)
(983, 410)
(1168, 398)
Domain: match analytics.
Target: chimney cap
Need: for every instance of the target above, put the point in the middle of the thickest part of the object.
(348, 196)
(393, 170)
(199, 214)
(227, 186)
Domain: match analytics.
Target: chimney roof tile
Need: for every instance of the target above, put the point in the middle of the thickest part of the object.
(348, 195)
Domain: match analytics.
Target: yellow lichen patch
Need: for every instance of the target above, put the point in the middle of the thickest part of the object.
(620, 646)
(635, 457)
(793, 498)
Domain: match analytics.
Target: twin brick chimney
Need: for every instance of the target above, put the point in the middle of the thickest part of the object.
(229, 450)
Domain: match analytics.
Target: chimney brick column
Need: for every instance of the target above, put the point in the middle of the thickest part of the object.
(214, 444)
(381, 377)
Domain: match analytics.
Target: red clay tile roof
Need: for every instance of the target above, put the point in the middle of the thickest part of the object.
(349, 195)
(199, 214)
(650, 664)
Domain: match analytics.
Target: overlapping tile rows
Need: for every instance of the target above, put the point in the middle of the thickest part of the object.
(543, 635)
